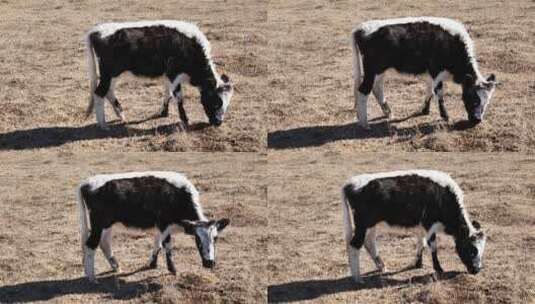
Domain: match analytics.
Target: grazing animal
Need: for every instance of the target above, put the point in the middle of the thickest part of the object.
(177, 50)
(166, 201)
(414, 198)
(439, 47)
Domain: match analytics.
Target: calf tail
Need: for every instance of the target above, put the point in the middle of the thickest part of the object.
(348, 221)
(84, 226)
(92, 73)
(358, 73)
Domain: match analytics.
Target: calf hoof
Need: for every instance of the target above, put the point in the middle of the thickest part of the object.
(445, 118)
(92, 279)
(418, 264)
(153, 264)
(364, 126)
(183, 126)
(358, 280)
(424, 111)
(386, 109)
(114, 265)
(104, 127)
(171, 269)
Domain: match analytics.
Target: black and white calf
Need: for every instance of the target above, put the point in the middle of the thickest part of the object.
(177, 50)
(166, 201)
(414, 198)
(439, 47)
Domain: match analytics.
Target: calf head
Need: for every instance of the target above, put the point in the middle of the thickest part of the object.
(470, 248)
(206, 233)
(477, 95)
(216, 102)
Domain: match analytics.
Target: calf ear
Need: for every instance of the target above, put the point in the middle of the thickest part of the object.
(476, 225)
(491, 78)
(469, 80)
(222, 223)
(225, 78)
(189, 226)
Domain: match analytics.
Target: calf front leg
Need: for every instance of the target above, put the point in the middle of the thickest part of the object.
(371, 246)
(180, 104)
(378, 92)
(432, 242)
(439, 92)
(105, 246)
(168, 255)
(153, 261)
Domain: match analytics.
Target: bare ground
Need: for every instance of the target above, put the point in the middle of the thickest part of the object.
(307, 258)
(41, 252)
(310, 71)
(45, 90)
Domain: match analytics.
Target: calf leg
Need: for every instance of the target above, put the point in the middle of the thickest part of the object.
(378, 92)
(428, 96)
(362, 98)
(168, 255)
(164, 109)
(420, 246)
(371, 246)
(432, 242)
(100, 92)
(177, 93)
(117, 108)
(105, 246)
(353, 249)
(439, 92)
(153, 261)
(89, 256)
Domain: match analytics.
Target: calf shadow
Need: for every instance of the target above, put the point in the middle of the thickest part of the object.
(113, 286)
(47, 137)
(312, 289)
(319, 135)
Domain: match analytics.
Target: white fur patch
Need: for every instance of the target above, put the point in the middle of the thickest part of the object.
(453, 27)
(175, 178)
(207, 236)
(484, 98)
(441, 178)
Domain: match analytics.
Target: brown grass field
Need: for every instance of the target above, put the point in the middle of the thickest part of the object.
(307, 255)
(45, 88)
(312, 106)
(40, 240)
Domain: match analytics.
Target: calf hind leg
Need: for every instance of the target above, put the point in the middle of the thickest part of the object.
(353, 250)
(89, 255)
(100, 92)
(362, 98)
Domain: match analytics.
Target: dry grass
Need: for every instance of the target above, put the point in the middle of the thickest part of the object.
(310, 70)
(45, 91)
(307, 258)
(41, 255)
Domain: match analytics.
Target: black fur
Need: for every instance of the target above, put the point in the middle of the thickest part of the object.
(154, 51)
(417, 48)
(410, 201)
